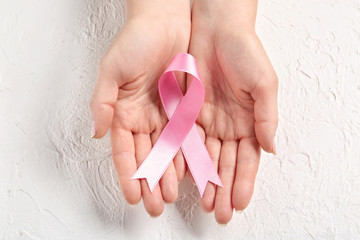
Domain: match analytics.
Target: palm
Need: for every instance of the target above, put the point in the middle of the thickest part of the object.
(227, 83)
(138, 108)
(231, 118)
(230, 66)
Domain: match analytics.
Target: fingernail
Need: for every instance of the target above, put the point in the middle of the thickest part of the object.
(93, 131)
(222, 224)
(153, 217)
(274, 147)
(239, 211)
(132, 205)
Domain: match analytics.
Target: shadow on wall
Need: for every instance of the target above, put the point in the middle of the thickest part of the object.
(86, 161)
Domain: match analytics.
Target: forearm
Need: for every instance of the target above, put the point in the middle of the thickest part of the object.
(158, 8)
(241, 13)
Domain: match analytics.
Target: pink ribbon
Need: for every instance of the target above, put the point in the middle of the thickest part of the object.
(180, 131)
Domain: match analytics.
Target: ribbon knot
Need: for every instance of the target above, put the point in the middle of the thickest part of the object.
(180, 131)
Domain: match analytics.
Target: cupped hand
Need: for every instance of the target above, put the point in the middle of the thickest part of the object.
(126, 99)
(239, 113)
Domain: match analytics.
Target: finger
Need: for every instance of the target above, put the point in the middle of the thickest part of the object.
(223, 203)
(153, 201)
(180, 166)
(203, 136)
(123, 153)
(213, 145)
(168, 182)
(266, 111)
(248, 158)
(103, 99)
(191, 177)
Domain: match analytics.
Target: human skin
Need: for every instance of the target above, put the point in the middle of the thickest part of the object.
(240, 109)
(126, 98)
(239, 114)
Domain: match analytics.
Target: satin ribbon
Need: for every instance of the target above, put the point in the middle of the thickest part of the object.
(180, 131)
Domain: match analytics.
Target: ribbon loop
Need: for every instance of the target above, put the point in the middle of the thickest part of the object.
(180, 131)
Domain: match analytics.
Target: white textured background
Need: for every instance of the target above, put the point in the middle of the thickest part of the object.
(57, 183)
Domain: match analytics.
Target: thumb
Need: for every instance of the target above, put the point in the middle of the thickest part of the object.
(103, 100)
(266, 111)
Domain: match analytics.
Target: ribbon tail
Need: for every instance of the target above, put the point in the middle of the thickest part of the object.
(144, 173)
(156, 163)
(199, 161)
(160, 156)
(211, 177)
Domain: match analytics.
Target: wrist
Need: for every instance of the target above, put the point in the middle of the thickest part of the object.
(239, 14)
(158, 8)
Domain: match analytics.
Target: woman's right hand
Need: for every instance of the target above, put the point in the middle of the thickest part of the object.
(126, 97)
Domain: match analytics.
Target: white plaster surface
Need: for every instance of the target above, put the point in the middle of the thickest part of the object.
(57, 183)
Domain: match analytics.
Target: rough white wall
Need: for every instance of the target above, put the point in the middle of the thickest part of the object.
(57, 183)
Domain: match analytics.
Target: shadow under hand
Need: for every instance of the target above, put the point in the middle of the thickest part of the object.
(188, 205)
(86, 161)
